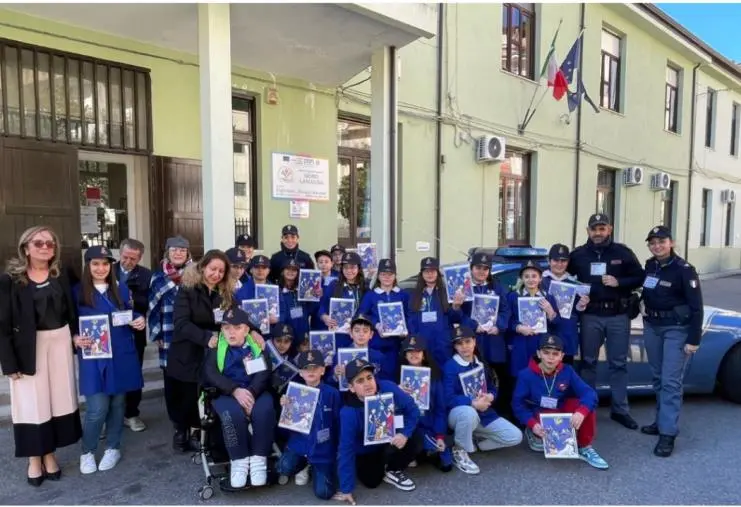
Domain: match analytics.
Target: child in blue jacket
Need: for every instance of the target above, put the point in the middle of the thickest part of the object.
(259, 268)
(373, 464)
(241, 372)
(292, 311)
(524, 338)
(552, 386)
(105, 381)
(361, 331)
(350, 285)
(385, 290)
(471, 412)
(318, 449)
(430, 314)
(567, 329)
(433, 422)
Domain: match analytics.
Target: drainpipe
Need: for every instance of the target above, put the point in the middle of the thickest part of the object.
(439, 128)
(577, 173)
(393, 148)
(693, 107)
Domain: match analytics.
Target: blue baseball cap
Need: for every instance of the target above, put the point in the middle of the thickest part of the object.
(99, 252)
(429, 263)
(310, 358)
(236, 317)
(236, 256)
(414, 343)
(660, 231)
(261, 261)
(355, 367)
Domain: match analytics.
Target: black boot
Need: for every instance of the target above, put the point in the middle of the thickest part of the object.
(625, 420)
(665, 446)
(651, 429)
(180, 441)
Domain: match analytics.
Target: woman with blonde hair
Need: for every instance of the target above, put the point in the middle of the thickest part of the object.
(38, 321)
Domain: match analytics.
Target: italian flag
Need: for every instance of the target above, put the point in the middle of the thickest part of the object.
(551, 70)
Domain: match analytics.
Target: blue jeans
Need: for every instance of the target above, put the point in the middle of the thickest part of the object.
(324, 477)
(235, 426)
(666, 357)
(103, 409)
(614, 332)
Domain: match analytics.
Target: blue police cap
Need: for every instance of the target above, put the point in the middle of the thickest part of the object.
(355, 367)
(461, 332)
(351, 258)
(550, 341)
(236, 256)
(290, 263)
(414, 343)
(660, 231)
(236, 317)
(261, 261)
(386, 266)
(337, 248)
(558, 252)
(245, 240)
(281, 330)
(99, 252)
(289, 229)
(531, 265)
(310, 358)
(429, 263)
(481, 259)
(360, 318)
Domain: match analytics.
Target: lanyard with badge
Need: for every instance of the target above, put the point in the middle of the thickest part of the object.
(428, 316)
(297, 311)
(549, 401)
(118, 317)
(323, 434)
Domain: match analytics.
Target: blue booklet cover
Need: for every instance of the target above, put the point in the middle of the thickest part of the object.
(485, 310)
(298, 413)
(415, 381)
(98, 329)
(379, 419)
(309, 285)
(368, 253)
(323, 341)
(392, 320)
(565, 295)
(560, 437)
(269, 292)
(531, 314)
(342, 311)
(458, 281)
(473, 382)
(257, 310)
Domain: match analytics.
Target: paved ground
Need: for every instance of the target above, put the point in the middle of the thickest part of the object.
(703, 470)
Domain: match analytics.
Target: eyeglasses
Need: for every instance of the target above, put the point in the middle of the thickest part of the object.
(39, 244)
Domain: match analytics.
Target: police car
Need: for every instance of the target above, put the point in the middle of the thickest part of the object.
(716, 365)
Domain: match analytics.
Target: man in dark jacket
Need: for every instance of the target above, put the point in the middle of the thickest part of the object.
(289, 249)
(613, 272)
(137, 278)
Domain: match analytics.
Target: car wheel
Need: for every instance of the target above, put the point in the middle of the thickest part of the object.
(730, 375)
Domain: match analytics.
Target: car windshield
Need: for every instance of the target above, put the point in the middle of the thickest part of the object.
(507, 279)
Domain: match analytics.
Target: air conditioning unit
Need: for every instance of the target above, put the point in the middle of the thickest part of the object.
(661, 181)
(728, 195)
(490, 149)
(632, 176)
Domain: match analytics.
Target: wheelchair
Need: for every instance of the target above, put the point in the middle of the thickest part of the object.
(212, 454)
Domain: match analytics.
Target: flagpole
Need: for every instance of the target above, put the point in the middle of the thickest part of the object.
(528, 116)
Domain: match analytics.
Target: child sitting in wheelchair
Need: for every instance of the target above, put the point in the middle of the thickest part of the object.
(240, 371)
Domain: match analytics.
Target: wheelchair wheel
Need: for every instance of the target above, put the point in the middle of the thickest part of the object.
(196, 458)
(206, 492)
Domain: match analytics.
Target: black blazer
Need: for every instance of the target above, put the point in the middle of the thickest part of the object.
(18, 323)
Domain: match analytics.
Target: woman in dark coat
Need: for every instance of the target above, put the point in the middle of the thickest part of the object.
(37, 324)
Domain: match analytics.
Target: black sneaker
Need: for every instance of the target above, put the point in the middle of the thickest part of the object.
(625, 420)
(665, 446)
(399, 480)
(651, 429)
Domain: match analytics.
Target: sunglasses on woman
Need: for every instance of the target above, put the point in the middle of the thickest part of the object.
(40, 243)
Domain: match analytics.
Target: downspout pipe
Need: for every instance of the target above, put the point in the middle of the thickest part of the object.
(393, 147)
(577, 168)
(693, 122)
(439, 127)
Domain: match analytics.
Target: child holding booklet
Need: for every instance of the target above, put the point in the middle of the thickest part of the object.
(241, 372)
(550, 386)
(361, 330)
(430, 314)
(350, 285)
(491, 342)
(373, 464)
(385, 290)
(318, 449)
(105, 381)
(525, 338)
(293, 311)
(324, 265)
(567, 329)
(471, 414)
(433, 422)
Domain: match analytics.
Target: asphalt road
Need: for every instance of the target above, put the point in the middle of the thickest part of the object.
(703, 470)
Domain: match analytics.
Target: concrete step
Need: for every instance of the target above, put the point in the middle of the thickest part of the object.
(153, 383)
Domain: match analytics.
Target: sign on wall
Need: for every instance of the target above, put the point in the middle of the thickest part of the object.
(300, 178)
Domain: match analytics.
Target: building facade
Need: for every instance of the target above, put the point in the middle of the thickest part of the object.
(114, 126)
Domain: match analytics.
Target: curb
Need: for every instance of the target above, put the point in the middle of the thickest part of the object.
(720, 274)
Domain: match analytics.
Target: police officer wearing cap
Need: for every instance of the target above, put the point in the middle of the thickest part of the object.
(246, 244)
(289, 249)
(337, 251)
(672, 328)
(613, 271)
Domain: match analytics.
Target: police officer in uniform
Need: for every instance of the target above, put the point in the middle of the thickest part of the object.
(672, 327)
(613, 271)
(289, 249)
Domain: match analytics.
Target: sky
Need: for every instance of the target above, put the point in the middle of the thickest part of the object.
(716, 24)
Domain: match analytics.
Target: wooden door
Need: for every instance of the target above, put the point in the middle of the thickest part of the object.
(39, 186)
(176, 199)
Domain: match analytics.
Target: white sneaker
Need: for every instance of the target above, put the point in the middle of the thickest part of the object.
(238, 470)
(87, 464)
(413, 464)
(258, 470)
(110, 459)
(464, 463)
(302, 478)
(135, 424)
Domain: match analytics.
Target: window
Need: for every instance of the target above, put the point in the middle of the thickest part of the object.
(514, 200)
(671, 107)
(73, 99)
(244, 164)
(610, 82)
(667, 206)
(734, 130)
(606, 193)
(705, 225)
(710, 118)
(518, 39)
(729, 225)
